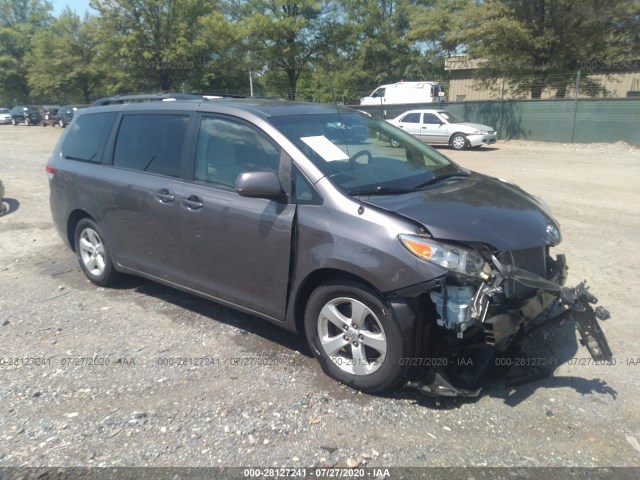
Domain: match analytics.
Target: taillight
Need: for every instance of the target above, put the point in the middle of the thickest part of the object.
(50, 171)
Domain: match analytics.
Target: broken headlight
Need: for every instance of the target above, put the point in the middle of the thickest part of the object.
(452, 257)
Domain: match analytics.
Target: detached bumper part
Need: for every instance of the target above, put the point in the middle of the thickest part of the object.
(577, 302)
(586, 319)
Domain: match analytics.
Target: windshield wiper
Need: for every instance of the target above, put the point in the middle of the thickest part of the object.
(439, 178)
(380, 190)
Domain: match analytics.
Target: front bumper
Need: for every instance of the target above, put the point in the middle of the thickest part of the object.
(486, 139)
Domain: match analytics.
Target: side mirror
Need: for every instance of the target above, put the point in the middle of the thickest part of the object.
(262, 184)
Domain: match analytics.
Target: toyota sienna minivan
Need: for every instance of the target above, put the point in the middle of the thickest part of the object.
(393, 261)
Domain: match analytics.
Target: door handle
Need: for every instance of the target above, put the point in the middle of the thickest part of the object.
(165, 196)
(193, 202)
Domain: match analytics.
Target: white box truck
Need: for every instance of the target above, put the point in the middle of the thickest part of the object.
(405, 92)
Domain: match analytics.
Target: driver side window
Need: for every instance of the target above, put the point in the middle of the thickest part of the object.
(430, 119)
(227, 148)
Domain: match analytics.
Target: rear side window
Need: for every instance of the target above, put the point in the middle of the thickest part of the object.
(151, 143)
(411, 118)
(87, 136)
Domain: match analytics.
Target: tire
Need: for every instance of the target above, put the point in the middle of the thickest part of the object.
(458, 142)
(364, 352)
(395, 143)
(93, 254)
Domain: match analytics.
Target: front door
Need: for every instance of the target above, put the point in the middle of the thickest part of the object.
(433, 130)
(236, 248)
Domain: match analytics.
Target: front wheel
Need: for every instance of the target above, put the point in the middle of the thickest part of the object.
(459, 142)
(93, 254)
(354, 336)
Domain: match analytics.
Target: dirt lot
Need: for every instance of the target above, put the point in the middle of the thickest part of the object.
(130, 409)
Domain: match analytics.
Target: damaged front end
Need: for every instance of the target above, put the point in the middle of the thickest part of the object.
(484, 308)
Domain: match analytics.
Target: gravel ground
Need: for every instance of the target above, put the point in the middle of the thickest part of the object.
(250, 393)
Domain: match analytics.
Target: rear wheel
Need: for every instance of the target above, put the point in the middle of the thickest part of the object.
(459, 142)
(93, 254)
(354, 336)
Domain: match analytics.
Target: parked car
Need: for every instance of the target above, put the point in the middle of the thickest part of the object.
(49, 116)
(65, 114)
(394, 262)
(441, 127)
(5, 116)
(25, 115)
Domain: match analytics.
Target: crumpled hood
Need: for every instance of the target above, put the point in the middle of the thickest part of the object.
(476, 208)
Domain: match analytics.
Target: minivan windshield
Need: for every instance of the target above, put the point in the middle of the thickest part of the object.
(364, 155)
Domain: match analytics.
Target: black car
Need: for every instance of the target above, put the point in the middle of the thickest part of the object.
(65, 114)
(49, 116)
(25, 115)
(398, 265)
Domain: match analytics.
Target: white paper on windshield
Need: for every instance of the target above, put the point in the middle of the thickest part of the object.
(323, 147)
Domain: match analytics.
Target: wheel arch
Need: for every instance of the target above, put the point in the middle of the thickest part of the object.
(313, 281)
(454, 134)
(72, 222)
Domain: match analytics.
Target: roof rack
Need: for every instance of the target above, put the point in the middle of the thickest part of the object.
(163, 97)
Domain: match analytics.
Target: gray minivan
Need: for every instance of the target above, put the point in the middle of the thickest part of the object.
(394, 262)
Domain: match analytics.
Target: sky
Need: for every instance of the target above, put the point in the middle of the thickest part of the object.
(79, 6)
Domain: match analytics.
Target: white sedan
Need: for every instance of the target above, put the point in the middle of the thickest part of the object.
(5, 116)
(441, 127)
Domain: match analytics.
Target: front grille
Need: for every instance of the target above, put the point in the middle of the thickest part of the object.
(531, 259)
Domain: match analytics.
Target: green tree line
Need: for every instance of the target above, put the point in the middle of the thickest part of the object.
(319, 50)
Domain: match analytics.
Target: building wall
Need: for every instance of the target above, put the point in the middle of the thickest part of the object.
(463, 87)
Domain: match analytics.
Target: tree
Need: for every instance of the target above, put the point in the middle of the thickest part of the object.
(19, 21)
(152, 44)
(375, 50)
(535, 44)
(225, 63)
(286, 35)
(65, 61)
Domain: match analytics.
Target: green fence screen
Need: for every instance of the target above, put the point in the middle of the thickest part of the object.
(579, 121)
